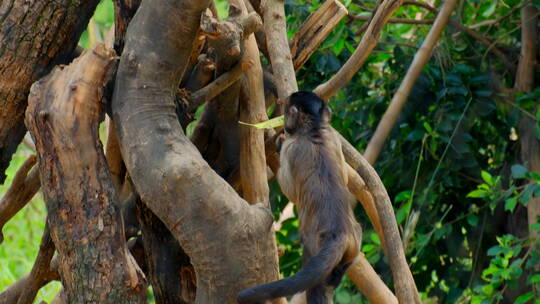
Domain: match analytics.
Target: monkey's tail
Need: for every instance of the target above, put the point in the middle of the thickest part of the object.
(315, 271)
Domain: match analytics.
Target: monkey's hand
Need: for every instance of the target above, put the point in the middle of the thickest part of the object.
(279, 141)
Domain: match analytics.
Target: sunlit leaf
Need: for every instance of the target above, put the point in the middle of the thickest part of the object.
(269, 124)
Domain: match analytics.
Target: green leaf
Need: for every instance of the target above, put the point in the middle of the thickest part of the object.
(472, 219)
(478, 193)
(487, 178)
(427, 127)
(510, 204)
(403, 195)
(490, 10)
(535, 227)
(338, 46)
(535, 278)
(518, 171)
(524, 298)
(269, 124)
(495, 250)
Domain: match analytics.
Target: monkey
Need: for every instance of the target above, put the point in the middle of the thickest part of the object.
(313, 175)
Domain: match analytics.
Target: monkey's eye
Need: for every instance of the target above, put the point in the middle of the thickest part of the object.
(293, 110)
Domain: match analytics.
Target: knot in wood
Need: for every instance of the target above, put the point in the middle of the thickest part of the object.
(164, 126)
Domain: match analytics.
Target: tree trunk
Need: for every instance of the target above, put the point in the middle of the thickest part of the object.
(530, 145)
(34, 37)
(229, 242)
(63, 117)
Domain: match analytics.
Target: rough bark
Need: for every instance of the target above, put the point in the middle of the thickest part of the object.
(63, 117)
(399, 99)
(530, 145)
(314, 30)
(364, 48)
(24, 186)
(199, 208)
(34, 36)
(168, 267)
(404, 284)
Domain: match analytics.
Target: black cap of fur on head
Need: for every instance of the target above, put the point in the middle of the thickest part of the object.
(305, 112)
(308, 102)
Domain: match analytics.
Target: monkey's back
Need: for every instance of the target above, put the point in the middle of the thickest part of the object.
(317, 185)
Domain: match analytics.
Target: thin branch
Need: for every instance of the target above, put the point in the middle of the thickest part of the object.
(45, 270)
(24, 186)
(498, 20)
(366, 45)
(41, 273)
(455, 23)
(396, 20)
(400, 97)
(213, 89)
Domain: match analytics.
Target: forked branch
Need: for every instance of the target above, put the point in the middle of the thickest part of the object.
(24, 186)
(364, 48)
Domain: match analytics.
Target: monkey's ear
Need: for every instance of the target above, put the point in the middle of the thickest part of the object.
(293, 110)
(326, 113)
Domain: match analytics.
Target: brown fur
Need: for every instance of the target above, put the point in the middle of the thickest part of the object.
(313, 176)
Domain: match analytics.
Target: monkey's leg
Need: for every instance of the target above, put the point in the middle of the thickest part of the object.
(337, 274)
(320, 294)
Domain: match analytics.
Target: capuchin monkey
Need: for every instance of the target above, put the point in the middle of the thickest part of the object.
(313, 175)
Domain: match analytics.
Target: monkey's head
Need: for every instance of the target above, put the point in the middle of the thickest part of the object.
(305, 111)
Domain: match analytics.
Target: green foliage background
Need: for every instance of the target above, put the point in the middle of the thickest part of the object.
(451, 164)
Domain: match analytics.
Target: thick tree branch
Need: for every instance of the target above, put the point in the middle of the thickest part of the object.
(405, 287)
(278, 47)
(63, 117)
(314, 30)
(369, 41)
(24, 186)
(34, 37)
(252, 110)
(421, 57)
(197, 206)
